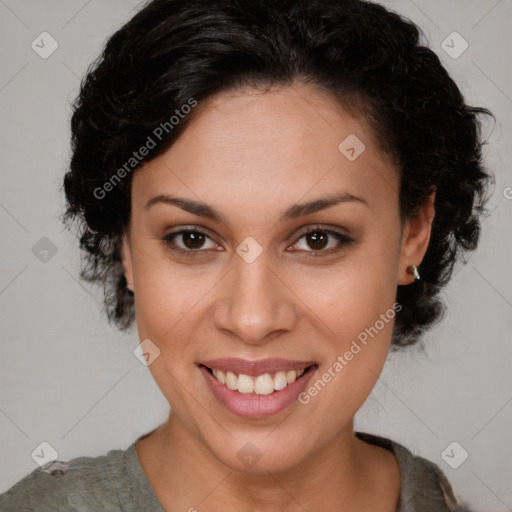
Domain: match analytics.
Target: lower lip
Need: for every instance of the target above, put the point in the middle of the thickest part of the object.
(257, 406)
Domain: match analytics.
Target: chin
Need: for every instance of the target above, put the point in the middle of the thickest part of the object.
(261, 453)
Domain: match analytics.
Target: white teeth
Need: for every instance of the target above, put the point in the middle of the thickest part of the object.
(280, 381)
(231, 381)
(260, 385)
(263, 384)
(245, 384)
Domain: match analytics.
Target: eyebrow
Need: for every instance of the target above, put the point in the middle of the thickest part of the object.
(293, 212)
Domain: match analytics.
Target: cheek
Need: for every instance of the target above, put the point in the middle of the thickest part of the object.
(166, 306)
(352, 297)
(165, 291)
(358, 316)
(357, 309)
(165, 303)
(356, 306)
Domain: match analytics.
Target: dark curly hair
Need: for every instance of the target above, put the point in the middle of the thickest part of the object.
(369, 58)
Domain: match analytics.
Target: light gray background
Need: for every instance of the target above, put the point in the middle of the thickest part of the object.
(71, 380)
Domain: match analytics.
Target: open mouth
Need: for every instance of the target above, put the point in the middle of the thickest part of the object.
(264, 384)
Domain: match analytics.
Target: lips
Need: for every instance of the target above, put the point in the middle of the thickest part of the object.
(258, 367)
(256, 389)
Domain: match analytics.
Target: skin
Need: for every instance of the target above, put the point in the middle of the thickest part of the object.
(251, 154)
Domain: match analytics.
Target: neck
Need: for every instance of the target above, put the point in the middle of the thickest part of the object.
(343, 474)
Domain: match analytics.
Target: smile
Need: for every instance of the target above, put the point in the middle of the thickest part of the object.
(256, 389)
(264, 384)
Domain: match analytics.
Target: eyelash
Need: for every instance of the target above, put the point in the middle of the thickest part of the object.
(344, 240)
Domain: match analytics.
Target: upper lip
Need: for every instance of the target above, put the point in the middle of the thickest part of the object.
(256, 367)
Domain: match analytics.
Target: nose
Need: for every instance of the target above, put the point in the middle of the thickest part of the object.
(255, 303)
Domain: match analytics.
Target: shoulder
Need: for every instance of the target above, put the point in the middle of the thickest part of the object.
(424, 486)
(81, 484)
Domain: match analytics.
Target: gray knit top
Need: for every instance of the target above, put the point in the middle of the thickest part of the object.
(116, 482)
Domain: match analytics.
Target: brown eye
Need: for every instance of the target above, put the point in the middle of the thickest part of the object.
(192, 241)
(320, 241)
(317, 240)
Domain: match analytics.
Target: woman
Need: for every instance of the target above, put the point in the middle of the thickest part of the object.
(276, 192)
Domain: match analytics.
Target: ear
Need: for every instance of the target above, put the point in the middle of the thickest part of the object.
(415, 240)
(126, 256)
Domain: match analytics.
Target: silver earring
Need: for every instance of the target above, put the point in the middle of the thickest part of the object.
(413, 269)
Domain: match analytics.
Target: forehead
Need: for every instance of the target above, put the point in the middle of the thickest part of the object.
(266, 149)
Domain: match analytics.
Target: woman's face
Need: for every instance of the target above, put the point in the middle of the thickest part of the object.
(254, 287)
